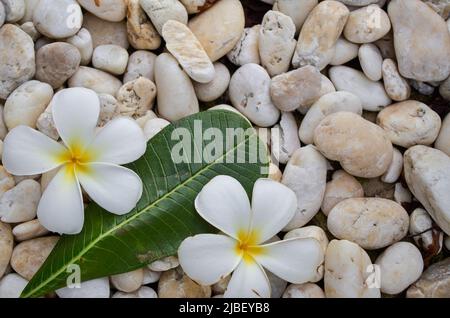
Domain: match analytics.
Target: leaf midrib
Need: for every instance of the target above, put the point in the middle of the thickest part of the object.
(101, 237)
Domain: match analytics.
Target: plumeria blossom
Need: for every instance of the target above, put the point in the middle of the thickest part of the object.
(85, 156)
(223, 202)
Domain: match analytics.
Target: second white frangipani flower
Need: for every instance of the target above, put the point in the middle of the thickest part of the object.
(87, 158)
(223, 202)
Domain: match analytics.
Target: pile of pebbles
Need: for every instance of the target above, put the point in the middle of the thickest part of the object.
(358, 89)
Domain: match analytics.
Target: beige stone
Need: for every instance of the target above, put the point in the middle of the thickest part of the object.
(219, 28)
(319, 34)
(6, 181)
(128, 282)
(6, 246)
(46, 125)
(362, 148)
(275, 172)
(56, 63)
(135, 98)
(176, 284)
(99, 81)
(297, 88)
(109, 108)
(410, 123)
(164, 264)
(327, 104)
(29, 230)
(276, 42)
(28, 256)
(142, 35)
(18, 59)
(422, 41)
(367, 24)
(348, 269)
(162, 11)
(434, 282)
(26, 103)
(372, 223)
(427, 173)
(342, 186)
(188, 51)
(395, 85)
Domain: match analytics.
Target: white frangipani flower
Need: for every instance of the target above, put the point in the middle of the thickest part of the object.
(87, 158)
(223, 202)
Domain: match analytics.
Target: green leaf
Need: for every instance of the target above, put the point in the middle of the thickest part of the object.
(165, 215)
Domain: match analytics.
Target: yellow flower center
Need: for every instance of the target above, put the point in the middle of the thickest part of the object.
(75, 158)
(247, 245)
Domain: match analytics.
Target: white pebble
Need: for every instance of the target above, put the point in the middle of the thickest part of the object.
(26, 103)
(371, 61)
(395, 168)
(110, 58)
(345, 51)
(246, 49)
(96, 288)
(208, 92)
(20, 203)
(250, 93)
(401, 264)
(12, 285)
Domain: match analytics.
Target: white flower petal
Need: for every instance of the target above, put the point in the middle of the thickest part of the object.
(114, 188)
(61, 207)
(75, 112)
(295, 260)
(27, 152)
(273, 206)
(207, 258)
(248, 281)
(121, 141)
(224, 203)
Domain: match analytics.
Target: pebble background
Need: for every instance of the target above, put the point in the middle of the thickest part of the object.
(359, 89)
